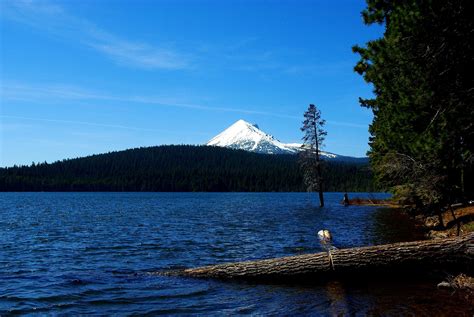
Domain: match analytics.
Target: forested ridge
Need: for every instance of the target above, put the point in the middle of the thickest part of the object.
(181, 168)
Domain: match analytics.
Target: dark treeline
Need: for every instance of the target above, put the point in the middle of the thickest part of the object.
(180, 168)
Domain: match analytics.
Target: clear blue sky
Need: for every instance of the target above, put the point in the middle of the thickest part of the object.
(86, 77)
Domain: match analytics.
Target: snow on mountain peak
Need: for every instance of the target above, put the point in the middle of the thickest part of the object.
(246, 136)
(243, 135)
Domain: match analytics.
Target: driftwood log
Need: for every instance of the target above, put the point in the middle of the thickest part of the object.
(405, 258)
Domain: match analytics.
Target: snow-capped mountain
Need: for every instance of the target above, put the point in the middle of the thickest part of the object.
(246, 136)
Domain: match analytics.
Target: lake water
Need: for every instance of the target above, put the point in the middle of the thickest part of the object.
(95, 253)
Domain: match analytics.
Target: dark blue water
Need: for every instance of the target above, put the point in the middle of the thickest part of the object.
(95, 253)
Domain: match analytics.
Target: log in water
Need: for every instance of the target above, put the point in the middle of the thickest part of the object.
(405, 257)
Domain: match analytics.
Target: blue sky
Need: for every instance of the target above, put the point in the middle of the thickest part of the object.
(86, 77)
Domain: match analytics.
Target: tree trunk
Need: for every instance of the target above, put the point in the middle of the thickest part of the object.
(321, 198)
(320, 182)
(405, 258)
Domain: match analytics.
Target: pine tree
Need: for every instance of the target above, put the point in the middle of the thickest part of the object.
(313, 139)
(422, 135)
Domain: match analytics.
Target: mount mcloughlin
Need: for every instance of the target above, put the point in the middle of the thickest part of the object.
(246, 136)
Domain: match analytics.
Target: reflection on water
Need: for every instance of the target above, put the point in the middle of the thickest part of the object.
(336, 293)
(92, 253)
(395, 226)
(396, 298)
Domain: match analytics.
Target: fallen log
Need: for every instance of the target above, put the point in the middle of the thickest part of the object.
(405, 257)
(373, 202)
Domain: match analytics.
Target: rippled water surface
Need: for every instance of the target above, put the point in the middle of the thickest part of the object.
(93, 253)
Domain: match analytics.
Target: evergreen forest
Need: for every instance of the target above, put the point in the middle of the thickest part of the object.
(187, 168)
(422, 134)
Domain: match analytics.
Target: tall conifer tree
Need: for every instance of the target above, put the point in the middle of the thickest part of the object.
(313, 139)
(422, 135)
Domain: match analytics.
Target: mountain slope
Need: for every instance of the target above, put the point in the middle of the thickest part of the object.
(243, 135)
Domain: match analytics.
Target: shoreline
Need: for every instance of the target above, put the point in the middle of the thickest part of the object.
(456, 221)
